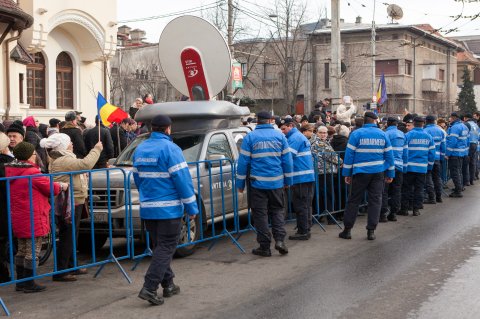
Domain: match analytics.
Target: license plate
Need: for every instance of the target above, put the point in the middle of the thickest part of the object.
(99, 217)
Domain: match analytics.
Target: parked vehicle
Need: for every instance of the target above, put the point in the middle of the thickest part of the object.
(206, 131)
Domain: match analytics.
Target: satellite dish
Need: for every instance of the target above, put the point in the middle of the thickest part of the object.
(395, 12)
(195, 57)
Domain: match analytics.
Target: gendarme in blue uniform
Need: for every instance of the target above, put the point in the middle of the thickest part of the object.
(163, 179)
(399, 147)
(421, 150)
(267, 153)
(368, 151)
(457, 139)
(302, 157)
(439, 138)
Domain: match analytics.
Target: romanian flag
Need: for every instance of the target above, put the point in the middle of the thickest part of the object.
(109, 113)
(382, 91)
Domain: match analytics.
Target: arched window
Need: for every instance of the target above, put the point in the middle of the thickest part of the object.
(36, 82)
(64, 81)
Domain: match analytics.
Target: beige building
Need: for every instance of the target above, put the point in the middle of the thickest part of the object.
(58, 63)
(420, 68)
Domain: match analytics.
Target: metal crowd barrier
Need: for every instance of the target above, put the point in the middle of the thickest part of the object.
(52, 270)
(217, 202)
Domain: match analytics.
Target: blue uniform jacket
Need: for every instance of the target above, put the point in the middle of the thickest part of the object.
(302, 157)
(421, 151)
(163, 179)
(472, 132)
(368, 151)
(266, 152)
(439, 138)
(399, 147)
(457, 139)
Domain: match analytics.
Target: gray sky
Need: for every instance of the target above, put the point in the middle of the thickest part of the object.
(435, 12)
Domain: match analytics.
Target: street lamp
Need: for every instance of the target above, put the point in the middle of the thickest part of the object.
(273, 16)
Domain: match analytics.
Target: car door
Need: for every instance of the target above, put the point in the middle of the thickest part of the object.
(217, 180)
(238, 136)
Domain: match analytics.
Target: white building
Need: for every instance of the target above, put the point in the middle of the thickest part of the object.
(59, 62)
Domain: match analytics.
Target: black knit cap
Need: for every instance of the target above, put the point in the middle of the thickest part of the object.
(264, 115)
(370, 115)
(419, 119)
(430, 118)
(286, 121)
(23, 151)
(16, 128)
(161, 120)
(454, 114)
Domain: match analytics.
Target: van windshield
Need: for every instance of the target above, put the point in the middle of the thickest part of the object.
(190, 145)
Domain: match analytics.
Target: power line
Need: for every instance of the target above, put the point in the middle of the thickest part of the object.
(167, 15)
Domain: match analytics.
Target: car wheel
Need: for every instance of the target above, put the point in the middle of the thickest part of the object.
(192, 228)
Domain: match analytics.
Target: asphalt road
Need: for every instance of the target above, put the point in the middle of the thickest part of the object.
(419, 267)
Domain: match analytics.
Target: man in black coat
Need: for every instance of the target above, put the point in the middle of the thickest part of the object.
(119, 136)
(90, 137)
(71, 129)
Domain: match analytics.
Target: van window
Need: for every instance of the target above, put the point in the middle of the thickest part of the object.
(218, 144)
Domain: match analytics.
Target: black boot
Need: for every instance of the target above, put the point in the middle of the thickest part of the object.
(383, 218)
(403, 212)
(281, 247)
(31, 286)
(20, 285)
(371, 234)
(171, 290)
(392, 217)
(416, 212)
(151, 297)
(263, 252)
(346, 233)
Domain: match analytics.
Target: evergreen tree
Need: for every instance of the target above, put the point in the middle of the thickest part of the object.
(466, 97)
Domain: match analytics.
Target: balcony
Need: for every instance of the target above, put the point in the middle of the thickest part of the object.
(432, 85)
(398, 84)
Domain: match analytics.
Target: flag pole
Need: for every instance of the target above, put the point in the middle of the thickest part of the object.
(99, 120)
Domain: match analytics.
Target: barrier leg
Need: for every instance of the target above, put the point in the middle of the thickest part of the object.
(315, 219)
(4, 307)
(114, 259)
(147, 252)
(235, 241)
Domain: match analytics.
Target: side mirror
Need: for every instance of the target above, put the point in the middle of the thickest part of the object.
(215, 160)
(111, 161)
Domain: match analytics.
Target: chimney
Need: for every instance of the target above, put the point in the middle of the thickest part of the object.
(358, 20)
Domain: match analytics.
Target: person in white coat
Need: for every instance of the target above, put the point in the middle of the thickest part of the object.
(346, 110)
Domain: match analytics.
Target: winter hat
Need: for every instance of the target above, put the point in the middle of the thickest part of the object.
(29, 122)
(4, 141)
(57, 142)
(23, 151)
(16, 128)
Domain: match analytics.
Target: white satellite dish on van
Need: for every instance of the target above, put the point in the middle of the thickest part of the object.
(395, 12)
(195, 57)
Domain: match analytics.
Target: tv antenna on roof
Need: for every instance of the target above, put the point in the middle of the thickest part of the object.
(395, 12)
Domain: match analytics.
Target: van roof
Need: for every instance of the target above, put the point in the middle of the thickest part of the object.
(195, 115)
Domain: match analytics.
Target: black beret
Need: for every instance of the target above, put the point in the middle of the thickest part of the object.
(286, 121)
(54, 122)
(16, 128)
(392, 119)
(23, 151)
(468, 115)
(430, 118)
(408, 118)
(454, 114)
(370, 115)
(419, 119)
(161, 120)
(264, 115)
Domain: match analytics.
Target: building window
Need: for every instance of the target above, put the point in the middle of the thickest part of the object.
(408, 67)
(441, 75)
(20, 86)
(387, 67)
(64, 81)
(244, 69)
(36, 82)
(453, 77)
(268, 73)
(327, 75)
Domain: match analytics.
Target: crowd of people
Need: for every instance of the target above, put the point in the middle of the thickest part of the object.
(28, 147)
(401, 163)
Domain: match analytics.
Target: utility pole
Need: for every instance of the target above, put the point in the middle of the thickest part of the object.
(230, 39)
(336, 65)
(373, 49)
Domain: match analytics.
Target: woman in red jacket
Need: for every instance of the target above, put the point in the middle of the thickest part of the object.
(21, 210)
